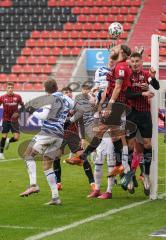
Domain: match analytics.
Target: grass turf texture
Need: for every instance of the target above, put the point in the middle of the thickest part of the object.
(135, 223)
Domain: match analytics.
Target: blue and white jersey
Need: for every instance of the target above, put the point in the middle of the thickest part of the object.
(60, 106)
(100, 77)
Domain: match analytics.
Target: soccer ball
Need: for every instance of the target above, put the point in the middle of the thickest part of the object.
(115, 29)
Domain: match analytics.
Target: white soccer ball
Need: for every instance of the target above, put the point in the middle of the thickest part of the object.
(115, 29)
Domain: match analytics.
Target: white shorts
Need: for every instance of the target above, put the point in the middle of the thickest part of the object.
(105, 150)
(47, 145)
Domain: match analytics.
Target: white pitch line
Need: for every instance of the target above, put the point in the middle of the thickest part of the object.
(22, 227)
(10, 160)
(86, 220)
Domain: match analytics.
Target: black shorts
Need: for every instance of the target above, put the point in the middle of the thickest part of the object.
(143, 120)
(73, 141)
(10, 126)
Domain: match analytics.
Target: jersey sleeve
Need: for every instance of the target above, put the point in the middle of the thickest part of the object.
(120, 72)
(1, 100)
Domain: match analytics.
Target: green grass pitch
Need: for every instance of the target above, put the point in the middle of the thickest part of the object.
(29, 216)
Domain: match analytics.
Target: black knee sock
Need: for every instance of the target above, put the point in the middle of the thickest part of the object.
(57, 169)
(147, 159)
(88, 171)
(2, 144)
(118, 151)
(91, 147)
(13, 140)
(130, 157)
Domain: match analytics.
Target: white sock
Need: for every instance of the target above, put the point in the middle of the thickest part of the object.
(70, 154)
(110, 181)
(125, 159)
(98, 175)
(51, 179)
(31, 166)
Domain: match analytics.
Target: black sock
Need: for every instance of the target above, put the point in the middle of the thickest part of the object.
(91, 147)
(147, 159)
(88, 171)
(57, 169)
(2, 144)
(130, 157)
(118, 151)
(13, 140)
(141, 165)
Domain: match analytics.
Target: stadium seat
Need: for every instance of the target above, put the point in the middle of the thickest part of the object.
(99, 3)
(35, 34)
(32, 60)
(45, 34)
(79, 43)
(68, 26)
(81, 3)
(6, 3)
(130, 18)
(127, 3)
(97, 26)
(37, 51)
(75, 51)
(41, 42)
(162, 27)
(3, 77)
(88, 26)
(56, 51)
(28, 86)
(136, 3)
(101, 18)
(27, 68)
(123, 10)
(120, 18)
(95, 10)
(91, 18)
(163, 18)
(38, 69)
(51, 60)
(84, 34)
(82, 18)
(76, 10)
(85, 10)
(38, 86)
(31, 43)
(78, 26)
(46, 51)
(133, 10)
(70, 43)
(12, 77)
(17, 69)
(74, 34)
(93, 35)
(21, 60)
(22, 77)
(66, 51)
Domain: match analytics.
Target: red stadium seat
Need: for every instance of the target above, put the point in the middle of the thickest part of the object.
(42, 77)
(163, 18)
(88, 26)
(103, 34)
(101, 18)
(92, 18)
(110, 18)
(70, 43)
(90, 3)
(38, 69)
(31, 43)
(28, 86)
(59, 43)
(41, 43)
(17, 69)
(27, 69)
(95, 10)
(130, 18)
(3, 77)
(104, 10)
(52, 3)
(56, 51)
(50, 43)
(37, 51)
(78, 26)
(12, 77)
(82, 18)
(81, 3)
(136, 3)
(76, 10)
(64, 34)
(66, 51)
(51, 60)
(42, 60)
(55, 34)
(84, 34)
(127, 26)
(120, 18)
(26, 51)
(21, 60)
(99, 3)
(127, 3)
(18, 86)
(22, 77)
(74, 34)
(46, 51)
(93, 35)
(133, 10)
(118, 3)
(162, 27)
(123, 10)
(80, 43)
(35, 34)
(6, 3)
(85, 10)
(32, 77)
(114, 10)
(47, 69)
(38, 86)
(98, 26)
(75, 51)
(69, 26)
(45, 34)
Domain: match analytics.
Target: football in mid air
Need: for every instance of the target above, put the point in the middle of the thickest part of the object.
(115, 29)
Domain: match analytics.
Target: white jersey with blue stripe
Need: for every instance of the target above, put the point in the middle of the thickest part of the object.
(101, 76)
(60, 106)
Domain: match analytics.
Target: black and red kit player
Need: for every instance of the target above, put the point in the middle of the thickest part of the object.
(10, 102)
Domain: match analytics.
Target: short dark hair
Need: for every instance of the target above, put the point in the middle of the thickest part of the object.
(86, 86)
(10, 84)
(66, 89)
(126, 50)
(50, 86)
(136, 54)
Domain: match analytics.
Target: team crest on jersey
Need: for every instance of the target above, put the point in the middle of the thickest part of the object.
(15, 99)
(141, 77)
(121, 73)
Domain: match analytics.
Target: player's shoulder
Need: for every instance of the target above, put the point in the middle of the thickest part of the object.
(122, 64)
(16, 95)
